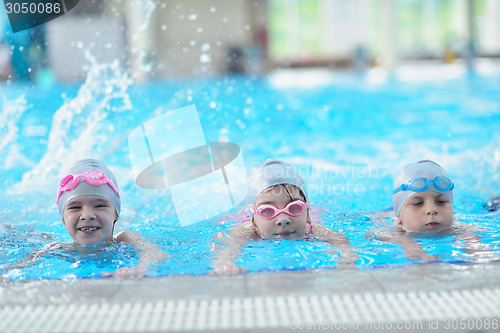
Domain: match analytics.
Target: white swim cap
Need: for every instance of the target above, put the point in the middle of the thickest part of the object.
(272, 172)
(423, 169)
(83, 188)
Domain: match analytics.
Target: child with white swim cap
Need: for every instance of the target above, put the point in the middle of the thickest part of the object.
(423, 203)
(277, 200)
(423, 198)
(89, 203)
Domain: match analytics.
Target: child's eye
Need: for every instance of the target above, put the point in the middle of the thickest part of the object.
(441, 202)
(295, 209)
(267, 212)
(73, 207)
(101, 206)
(417, 203)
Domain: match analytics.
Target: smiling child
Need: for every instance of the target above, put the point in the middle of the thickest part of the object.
(279, 209)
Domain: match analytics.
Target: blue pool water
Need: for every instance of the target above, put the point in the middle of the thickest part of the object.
(347, 134)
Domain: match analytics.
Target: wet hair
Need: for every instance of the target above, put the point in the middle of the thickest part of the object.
(289, 189)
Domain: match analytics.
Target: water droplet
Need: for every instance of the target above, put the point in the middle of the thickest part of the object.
(163, 27)
(241, 124)
(192, 17)
(205, 47)
(212, 9)
(205, 58)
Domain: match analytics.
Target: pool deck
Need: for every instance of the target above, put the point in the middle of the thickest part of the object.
(34, 296)
(423, 277)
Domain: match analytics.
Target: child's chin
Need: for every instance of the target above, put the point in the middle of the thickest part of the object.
(432, 230)
(92, 245)
(289, 236)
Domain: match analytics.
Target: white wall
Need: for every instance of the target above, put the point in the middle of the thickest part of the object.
(69, 36)
(194, 36)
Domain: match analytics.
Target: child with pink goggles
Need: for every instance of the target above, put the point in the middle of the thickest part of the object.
(88, 177)
(92, 177)
(268, 211)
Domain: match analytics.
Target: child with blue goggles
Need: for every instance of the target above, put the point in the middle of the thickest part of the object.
(422, 198)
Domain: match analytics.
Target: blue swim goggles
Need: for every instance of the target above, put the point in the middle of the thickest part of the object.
(421, 184)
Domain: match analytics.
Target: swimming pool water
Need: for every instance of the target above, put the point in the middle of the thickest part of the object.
(348, 137)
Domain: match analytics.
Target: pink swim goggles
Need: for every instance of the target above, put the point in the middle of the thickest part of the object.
(92, 177)
(267, 211)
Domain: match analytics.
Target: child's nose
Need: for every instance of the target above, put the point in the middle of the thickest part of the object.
(431, 209)
(282, 219)
(87, 213)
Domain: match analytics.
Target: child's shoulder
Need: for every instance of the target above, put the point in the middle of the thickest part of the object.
(385, 232)
(321, 232)
(246, 229)
(126, 236)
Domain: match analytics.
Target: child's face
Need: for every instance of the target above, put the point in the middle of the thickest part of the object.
(426, 212)
(282, 226)
(89, 220)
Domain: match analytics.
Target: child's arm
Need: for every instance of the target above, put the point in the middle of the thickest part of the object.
(473, 244)
(414, 250)
(150, 253)
(33, 258)
(338, 241)
(228, 248)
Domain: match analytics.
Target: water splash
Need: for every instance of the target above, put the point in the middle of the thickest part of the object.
(9, 120)
(149, 7)
(85, 126)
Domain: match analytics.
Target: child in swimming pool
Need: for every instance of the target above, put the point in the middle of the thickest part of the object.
(89, 204)
(423, 203)
(280, 210)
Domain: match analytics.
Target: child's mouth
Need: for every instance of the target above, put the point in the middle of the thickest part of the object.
(284, 234)
(433, 224)
(88, 229)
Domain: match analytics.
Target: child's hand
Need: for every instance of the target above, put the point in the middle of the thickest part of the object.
(424, 257)
(430, 258)
(126, 272)
(345, 256)
(347, 260)
(228, 269)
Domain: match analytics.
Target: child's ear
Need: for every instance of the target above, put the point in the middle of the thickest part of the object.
(400, 223)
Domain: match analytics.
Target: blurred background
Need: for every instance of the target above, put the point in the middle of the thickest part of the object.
(162, 39)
